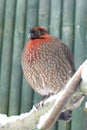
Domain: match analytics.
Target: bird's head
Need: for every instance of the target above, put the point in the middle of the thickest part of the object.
(38, 33)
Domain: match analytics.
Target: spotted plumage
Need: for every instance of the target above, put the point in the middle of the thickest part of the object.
(48, 64)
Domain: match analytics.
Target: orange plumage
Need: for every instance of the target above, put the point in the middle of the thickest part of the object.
(47, 64)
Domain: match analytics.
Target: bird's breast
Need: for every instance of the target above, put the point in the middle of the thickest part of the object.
(45, 66)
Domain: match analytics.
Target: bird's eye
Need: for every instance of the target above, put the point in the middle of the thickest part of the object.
(38, 32)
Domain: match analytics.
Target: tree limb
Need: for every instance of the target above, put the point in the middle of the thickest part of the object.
(45, 117)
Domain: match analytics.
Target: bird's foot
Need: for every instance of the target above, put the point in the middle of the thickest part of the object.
(38, 105)
(41, 103)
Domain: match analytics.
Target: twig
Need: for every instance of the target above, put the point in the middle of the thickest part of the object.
(49, 119)
(51, 109)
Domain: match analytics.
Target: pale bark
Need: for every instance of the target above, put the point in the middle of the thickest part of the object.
(45, 116)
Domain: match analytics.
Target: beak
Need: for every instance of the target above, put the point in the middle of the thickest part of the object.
(29, 36)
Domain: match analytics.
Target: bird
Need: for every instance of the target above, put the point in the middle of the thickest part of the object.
(47, 64)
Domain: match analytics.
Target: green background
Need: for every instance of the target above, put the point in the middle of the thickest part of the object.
(66, 19)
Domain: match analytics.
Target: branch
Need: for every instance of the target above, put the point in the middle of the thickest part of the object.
(45, 117)
(63, 97)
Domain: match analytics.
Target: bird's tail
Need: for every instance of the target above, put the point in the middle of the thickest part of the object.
(66, 115)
